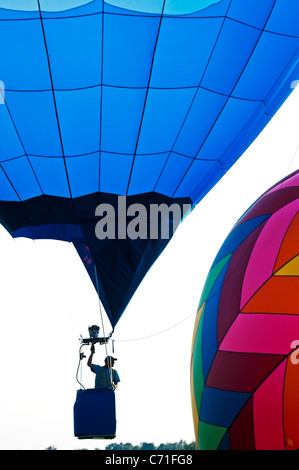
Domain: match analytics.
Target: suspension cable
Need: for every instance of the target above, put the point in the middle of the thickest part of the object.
(102, 322)
(80, 358)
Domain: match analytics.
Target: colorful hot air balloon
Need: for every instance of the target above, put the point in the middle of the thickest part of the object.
(245, 361)
(152, 100)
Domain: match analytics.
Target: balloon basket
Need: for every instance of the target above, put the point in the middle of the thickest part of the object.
(94, 414)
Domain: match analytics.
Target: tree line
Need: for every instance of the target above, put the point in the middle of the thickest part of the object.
(181, 445)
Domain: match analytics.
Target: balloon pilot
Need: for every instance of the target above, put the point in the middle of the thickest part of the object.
(106, 376)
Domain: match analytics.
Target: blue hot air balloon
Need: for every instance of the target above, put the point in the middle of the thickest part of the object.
(151, 100)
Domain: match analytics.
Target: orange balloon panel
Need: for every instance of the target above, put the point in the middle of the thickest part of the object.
(276, 296)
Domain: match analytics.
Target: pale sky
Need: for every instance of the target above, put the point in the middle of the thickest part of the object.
(47, 301)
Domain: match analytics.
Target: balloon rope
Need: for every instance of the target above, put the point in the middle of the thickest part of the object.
(158, 332)
(102, 321)
(293, 158)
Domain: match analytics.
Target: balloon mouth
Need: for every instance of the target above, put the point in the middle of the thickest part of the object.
(174, 7)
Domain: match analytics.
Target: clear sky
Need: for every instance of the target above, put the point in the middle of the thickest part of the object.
(47, 301)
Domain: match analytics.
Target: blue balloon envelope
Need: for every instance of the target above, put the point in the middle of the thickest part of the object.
(152, 100)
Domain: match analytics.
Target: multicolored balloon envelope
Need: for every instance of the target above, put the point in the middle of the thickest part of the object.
(245, 361)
